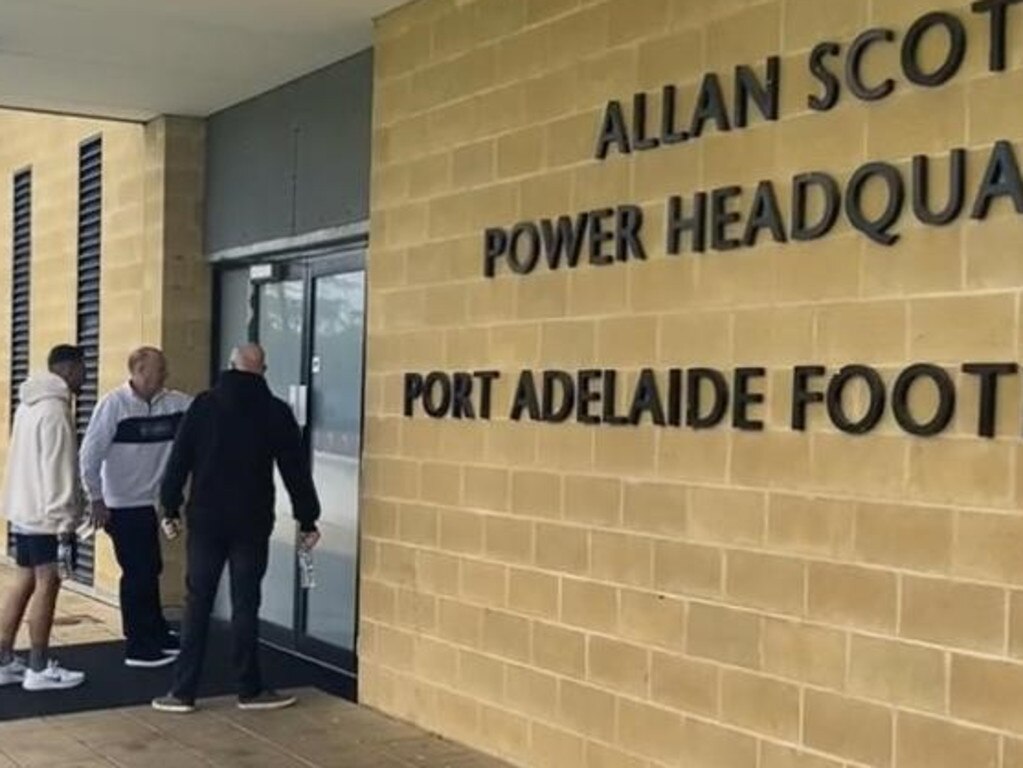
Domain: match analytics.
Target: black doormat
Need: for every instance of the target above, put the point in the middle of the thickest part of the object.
(110, 684)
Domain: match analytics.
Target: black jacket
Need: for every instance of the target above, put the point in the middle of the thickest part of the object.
(228, 442)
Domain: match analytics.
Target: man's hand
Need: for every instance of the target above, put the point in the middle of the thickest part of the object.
(308, 539)
(100, 515)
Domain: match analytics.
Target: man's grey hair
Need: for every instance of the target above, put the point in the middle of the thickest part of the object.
(140, 355)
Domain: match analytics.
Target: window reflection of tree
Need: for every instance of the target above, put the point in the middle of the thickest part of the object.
(337, 390)
(282, 306)
(340, 306)
(281, 318)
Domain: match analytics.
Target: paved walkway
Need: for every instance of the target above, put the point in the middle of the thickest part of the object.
(320, 732)
(80, 619)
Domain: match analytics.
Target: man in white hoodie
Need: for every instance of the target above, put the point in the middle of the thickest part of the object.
(42, 503)
(124, 454)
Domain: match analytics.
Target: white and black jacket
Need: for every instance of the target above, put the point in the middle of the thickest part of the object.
(127, 444)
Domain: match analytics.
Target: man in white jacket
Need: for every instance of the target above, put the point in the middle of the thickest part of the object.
(43, 505)
(124, 454)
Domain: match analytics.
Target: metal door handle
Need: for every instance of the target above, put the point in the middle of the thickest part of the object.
(298, 395)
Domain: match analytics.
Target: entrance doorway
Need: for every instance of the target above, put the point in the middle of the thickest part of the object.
(309, 316)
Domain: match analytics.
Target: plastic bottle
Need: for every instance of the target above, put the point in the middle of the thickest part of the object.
(306, 569)
(65, 559)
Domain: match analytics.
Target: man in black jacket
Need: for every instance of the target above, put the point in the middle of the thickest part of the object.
(228, 442)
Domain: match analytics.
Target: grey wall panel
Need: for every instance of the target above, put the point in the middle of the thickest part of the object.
(233, 322)
(293, 160)
(249, 186)
(337, 191)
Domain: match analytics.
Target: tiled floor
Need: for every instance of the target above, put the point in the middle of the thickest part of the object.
(320, 732)
(80, 619)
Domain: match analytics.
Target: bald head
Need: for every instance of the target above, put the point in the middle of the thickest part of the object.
(249, 358)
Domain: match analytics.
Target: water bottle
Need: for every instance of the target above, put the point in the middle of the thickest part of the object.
(306, 569)
(171, 528)
(65, 559)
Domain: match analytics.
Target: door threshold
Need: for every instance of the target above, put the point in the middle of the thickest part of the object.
(308, 658)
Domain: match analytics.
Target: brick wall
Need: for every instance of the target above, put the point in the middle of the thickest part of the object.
(177, 314)
(154, 281)
(50, 146)
(564, 595)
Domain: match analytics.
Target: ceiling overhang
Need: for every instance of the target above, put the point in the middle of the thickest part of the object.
(136, 59)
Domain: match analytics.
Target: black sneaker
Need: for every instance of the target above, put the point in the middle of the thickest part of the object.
(148, 659)
(174, 704)
(170, 645)
(266, 699)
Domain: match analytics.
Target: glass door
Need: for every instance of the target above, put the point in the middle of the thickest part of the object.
(310, 319)
(280, 328)
(335, 437)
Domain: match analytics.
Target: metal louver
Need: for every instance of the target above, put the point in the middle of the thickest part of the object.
(20, 283)
(21, 271)
(90, 213)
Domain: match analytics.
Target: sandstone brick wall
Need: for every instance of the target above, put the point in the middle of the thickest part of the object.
(568, 596)
(49, 145)
(151, 228)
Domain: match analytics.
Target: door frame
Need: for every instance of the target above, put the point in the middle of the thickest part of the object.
(339, 258)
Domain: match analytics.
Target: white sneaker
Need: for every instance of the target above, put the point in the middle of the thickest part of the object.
(53, 678)
(14, 672)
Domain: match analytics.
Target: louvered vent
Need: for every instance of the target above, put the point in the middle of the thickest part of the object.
(20, 283)
(90, 213)
(21, 261)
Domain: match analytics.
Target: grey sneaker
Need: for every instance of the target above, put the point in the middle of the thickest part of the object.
(13, 673)
(175, 704)
(266, 699)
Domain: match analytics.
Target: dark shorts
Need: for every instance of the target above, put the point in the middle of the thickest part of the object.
(33, 549)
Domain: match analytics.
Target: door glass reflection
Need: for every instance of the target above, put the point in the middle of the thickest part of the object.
(281, 313)
(336, 433)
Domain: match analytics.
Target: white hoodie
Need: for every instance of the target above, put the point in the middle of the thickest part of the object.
(41, 495)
